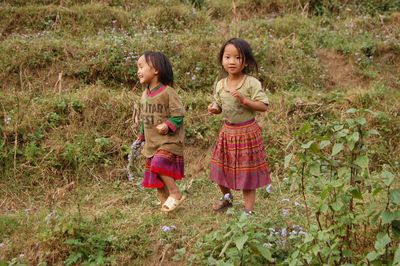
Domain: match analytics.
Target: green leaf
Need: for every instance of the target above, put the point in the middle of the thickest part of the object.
(264, 252)
(336, 206)
(361, 121)
(376, 191)
(324, 208)
(344, 172)
(315, 169)
(338, 147)
(382, 241)
(355, 136)
(373, 256)
(362, 161)
(240, 241)
(307, 145)
(396, 259)
(347, 253)
(324, 143)
(395, 196)
(396, 228)
(308, 238)
(350, 122)
(356, 193)
(73, 258)
(337, 183)
(388, 177)
(288, 158)
(342, 133)
(351, 144)
(388, 216)
(338, 127)
(351, 111)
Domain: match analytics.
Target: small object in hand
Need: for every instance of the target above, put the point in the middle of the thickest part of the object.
(162, 129)
(215, 108)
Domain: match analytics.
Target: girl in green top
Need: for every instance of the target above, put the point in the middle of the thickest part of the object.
(238, 159)
(161, 129)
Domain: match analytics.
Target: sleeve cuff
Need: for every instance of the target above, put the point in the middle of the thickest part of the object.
(171, 125)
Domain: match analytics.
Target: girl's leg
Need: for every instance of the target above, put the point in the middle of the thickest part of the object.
(162, 194)
(249, 196)
(224, 190)
(224, 202)
(171, 186)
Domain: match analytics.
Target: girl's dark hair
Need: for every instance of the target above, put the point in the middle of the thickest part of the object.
(162, 64)
(244, 50)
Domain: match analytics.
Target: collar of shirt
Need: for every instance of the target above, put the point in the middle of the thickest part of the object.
(158, 89)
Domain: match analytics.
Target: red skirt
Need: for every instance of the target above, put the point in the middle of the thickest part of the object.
(162, 163)
(238, 158)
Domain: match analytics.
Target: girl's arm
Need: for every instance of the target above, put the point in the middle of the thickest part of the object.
(141, 131)
(255, 105)
(177, 112)
(174, 123)
(170, 125)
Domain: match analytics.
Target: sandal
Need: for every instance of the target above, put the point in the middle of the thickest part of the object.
(161, 198)
(249, 213)
(171, 203)
(223, 203)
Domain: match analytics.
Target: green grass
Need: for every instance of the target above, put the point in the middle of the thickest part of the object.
(64, 196)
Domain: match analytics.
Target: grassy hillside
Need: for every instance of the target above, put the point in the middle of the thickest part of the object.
(69, 111)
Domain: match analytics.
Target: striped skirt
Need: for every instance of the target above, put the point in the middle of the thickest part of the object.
(162, 163)
(238, 159)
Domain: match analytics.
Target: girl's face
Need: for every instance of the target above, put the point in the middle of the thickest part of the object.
(232, 60)
(146, 73)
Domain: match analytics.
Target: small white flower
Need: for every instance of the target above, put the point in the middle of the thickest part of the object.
(284, 232)
(166, 228)
(297, 204)
(227, 196)
(302, 233)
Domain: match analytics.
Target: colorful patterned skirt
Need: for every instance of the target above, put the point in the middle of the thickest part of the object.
(162, 163)
(238, 159)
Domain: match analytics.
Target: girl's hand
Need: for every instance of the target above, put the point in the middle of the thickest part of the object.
(162, 129)
(239, 96)
(214, 108)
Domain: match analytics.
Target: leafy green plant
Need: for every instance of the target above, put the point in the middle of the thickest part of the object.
(335, 167)
(86, 245)
(239, 242)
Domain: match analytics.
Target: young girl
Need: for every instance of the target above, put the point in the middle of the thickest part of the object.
(238, 158)
(161, 129)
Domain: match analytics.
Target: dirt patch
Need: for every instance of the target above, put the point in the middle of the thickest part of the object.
(197, 161)
(341, 71)
(396, 18)
(388, 63)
